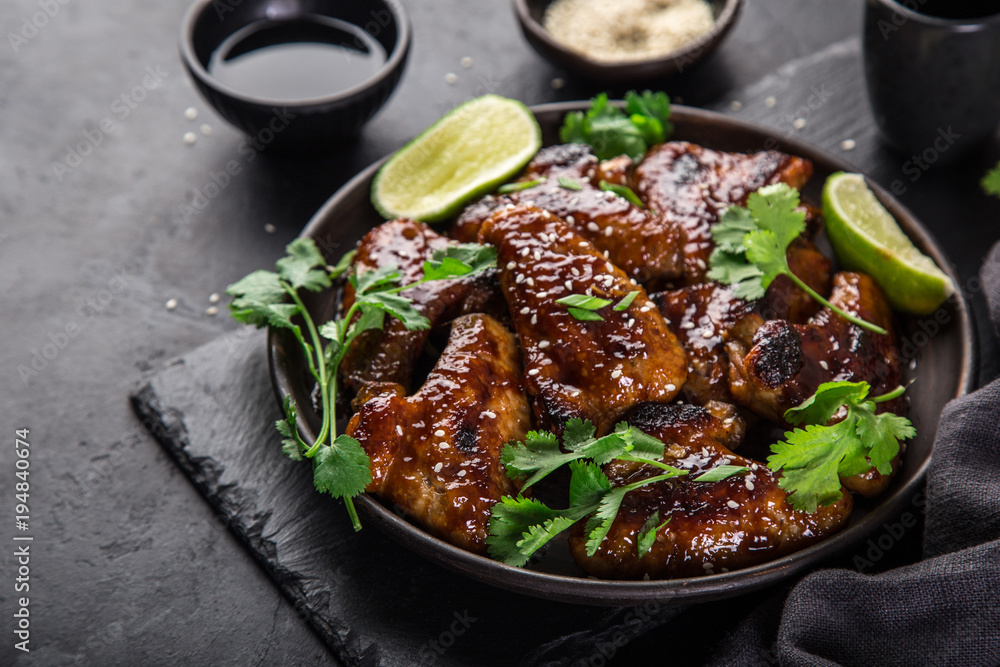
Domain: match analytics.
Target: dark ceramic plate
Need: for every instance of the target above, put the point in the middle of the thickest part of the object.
(942, 371)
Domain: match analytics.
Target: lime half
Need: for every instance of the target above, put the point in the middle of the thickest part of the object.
(468, 152)
(866, 238)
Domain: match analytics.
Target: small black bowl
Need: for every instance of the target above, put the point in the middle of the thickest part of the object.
(295, 126)
(530, 13)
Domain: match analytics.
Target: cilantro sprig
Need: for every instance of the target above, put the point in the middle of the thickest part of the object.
(340, 465)
(813, 459)
(751, 246)
(520, 526)
(612, 132)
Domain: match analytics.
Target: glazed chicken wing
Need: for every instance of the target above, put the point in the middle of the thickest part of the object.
(436, 454)
(389, 354)
(593, 370)
(691, 187)
(783, 364)
(705, 316)
(713, 526)
(636, 240)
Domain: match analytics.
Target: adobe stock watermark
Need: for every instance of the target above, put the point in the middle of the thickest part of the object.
(918, 165)
(432, 651)
(122, 107)
(248, 150)
(892, 533)
(898, 19)
(56, 341)
(31, 24)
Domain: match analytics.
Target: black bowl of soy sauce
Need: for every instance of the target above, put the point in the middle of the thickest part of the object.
(298, 76)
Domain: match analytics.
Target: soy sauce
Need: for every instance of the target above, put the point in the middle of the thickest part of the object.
(294, 59)
(954, 9)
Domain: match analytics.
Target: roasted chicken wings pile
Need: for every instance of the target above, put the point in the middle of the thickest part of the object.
(686, 361)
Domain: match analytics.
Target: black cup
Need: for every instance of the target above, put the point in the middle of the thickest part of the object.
(933, 82)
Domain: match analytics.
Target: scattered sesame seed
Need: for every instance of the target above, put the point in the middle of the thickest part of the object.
(570, 219)
(687, 325)
(534, 319)
(592, 227)
(701, 264)
(615, 374)
(212, 311)
(461, 473)
(735, 105)
(443, 445)
(519, 278)
(733, 504)
(191, 113)
(530, 281)
(525, 252)
(399, 430)
(206, 129)
(724, 570)
(451, 78)
(558, 83)
(569, 285)
(511, 266)
(525, 310)
(608, 231)
(707, 333)
(439, 433)
(534, 371)
(538, 255)
(671, 386)
(799, 123)
(770, 102)
(490, 414)
(582, 244)
(467, 62)
(438, 466)
(707, 566)
(645, 576)
(575, 393)
(542, 344)
(753, 466)
(825, 366)
(848, 145)
(190, 138)
(213, 297)
(749, 485)
(630, 323)
(542, 294)
(171, 304)
(269, 228)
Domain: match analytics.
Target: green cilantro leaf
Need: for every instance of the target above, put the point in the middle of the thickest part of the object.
(508, 188)
(510, 520)
(814, 459)
(991, 181)
(459, 260)
(384, 277)
(568, 183)
(254, 296)
(342, 469)
(719, 473)
(599, 525)
(577, 433)
(304, 266)
(647, 534)
(398, 306)
(627, 300)
(752, 247)
(624, 192)
(612, 132)
(291, 445)
(536, 457)
(588, 484)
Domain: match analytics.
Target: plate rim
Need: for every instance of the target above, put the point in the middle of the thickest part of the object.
(607, 592)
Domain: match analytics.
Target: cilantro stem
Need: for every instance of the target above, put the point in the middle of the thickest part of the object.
(853, 319)
(324, 388)
(652, 462)
(651, 480)
(895, 393)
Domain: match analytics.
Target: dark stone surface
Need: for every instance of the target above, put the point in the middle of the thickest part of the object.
(131, 566)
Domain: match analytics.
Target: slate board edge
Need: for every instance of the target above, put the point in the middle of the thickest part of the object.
(169, 430)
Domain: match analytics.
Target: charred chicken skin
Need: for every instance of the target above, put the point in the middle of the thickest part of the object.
(436, 454)
(636, 240)
(713, 526)
(691, 187)
(594, 370)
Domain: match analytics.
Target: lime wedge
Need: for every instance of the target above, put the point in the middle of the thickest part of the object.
(866, 238)
(468, 152)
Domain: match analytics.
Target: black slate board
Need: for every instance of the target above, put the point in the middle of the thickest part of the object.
(370, 600)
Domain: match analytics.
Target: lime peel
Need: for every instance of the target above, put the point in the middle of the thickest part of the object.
(468, 152)
(867, 238)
